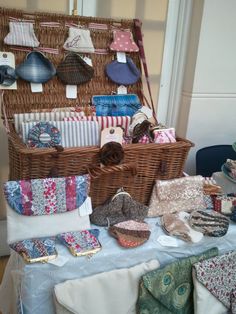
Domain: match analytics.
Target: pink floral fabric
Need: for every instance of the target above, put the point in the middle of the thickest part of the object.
(218, 276)
(164, 135)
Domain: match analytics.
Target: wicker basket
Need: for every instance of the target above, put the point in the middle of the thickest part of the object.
(142, 163)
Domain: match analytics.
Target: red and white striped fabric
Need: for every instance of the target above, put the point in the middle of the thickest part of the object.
(21, 34)
(105, 121)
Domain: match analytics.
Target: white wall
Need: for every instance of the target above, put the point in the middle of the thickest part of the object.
(208, 108)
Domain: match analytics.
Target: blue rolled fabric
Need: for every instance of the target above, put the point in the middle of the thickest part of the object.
(123, 73)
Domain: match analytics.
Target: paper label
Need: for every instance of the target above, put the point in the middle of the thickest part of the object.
(167, 241)
(147, 111)
(121, 57)
(88, 61)
(8, 58)
(122, 90)
(36, 87)
(112, 134)
(86, 208)
(71, 91)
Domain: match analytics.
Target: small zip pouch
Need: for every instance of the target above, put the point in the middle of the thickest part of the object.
(224, 203)
(21, 34)
(36, 250)
(79, 40)
(81, 243)
(123, 41)
(116, 105)
(164, 135)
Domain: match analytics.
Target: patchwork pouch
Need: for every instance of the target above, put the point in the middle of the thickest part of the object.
(79, 40)
(47, 196)
(182, 194)
(73, 70)
(210, 223)
(81, 243)
(123, 41)
(116, 105)
(21, 34)
(130, 233)
(36, 250)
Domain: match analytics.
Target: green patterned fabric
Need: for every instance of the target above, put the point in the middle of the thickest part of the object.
(170, 289)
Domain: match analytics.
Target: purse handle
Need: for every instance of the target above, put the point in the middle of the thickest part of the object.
(139, 38)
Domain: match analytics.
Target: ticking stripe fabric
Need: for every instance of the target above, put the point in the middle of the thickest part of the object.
(73, 133)
(56, 115)
(105, 121)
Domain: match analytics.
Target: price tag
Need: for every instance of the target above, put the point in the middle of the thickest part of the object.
(122, 90)
(121, 57)
(88, 61)
(86, 208)
(71, 91)
(112, 134)
(36, 87)
(167, 241)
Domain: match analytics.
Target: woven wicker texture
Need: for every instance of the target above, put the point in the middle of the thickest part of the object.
(142, 164)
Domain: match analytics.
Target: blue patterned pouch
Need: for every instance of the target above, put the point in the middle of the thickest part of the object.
(116, 105)
(80, 243)
(36, 250)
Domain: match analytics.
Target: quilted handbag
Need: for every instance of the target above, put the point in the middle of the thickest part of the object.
(47, 196)
(123, 41)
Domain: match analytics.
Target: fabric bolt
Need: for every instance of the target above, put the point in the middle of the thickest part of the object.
(21, 34)
(55, 115)
(123, 73)
(36, 250)
(209, 222)
(79, 40)
(47, 196)
(182, 194)
(7, 75)
(217, 275)
(105, 121)
(36, 68)
(44, 134)
(84, 242)
(73, 70)
(73, 133)
(120, 295)
(116, 105)
(123, 41)
(170, 289)
(119, 208)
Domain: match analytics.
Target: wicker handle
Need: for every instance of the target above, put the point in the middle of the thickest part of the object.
(98, 171)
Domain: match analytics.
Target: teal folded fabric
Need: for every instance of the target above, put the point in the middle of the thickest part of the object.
(169, 289)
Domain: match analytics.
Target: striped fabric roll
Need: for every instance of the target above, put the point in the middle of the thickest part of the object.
(43, 116)
(73, 133)
(105, 121)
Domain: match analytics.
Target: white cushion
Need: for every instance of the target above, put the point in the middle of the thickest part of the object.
(113, 292)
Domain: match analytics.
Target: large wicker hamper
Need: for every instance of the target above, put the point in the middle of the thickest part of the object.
(142, 163)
